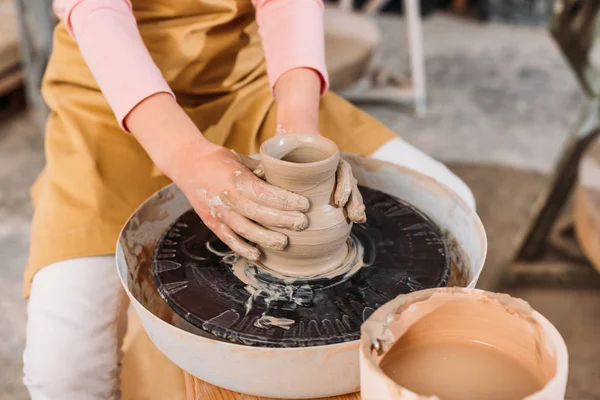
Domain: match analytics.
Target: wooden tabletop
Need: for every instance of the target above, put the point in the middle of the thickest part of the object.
(199, 390)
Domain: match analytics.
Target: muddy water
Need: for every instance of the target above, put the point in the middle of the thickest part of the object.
(459, 371)
(467, 345)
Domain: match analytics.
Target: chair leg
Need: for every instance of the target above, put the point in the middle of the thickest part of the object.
(36, 24)
(551, 201)
(374, 6)
(417, 57)
(345, 5)
(415, 46)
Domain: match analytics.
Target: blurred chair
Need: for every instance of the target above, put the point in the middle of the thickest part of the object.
(574, 27)
(11, 73)
(351, 40)
(36, 26)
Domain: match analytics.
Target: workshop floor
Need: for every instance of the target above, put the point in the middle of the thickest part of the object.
(498, 94)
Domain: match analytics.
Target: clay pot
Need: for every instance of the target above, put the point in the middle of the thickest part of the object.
(533, 352)
(306, 164)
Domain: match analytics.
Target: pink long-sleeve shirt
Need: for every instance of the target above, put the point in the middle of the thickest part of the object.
(105, 30)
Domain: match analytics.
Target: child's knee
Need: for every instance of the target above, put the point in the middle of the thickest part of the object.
(72, 341)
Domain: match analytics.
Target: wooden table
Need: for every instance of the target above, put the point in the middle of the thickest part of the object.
(199, 390)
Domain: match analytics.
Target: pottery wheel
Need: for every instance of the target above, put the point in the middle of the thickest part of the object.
(403, 251)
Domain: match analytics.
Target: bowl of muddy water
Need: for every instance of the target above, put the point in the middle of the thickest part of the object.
(461, 344)
(287, 372)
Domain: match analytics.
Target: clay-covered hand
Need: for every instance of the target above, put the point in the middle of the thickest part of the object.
(229, 198)
(346, 190)
(347, 193)
(233, 202)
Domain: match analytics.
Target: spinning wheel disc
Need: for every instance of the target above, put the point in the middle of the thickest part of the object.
(402, 251)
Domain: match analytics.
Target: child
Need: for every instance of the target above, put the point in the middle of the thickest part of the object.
(159, 90)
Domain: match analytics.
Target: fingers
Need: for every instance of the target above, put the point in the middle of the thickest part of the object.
(267, 216)
(210, 217)
(235, 243)
(355, 207)
(347, 193)
(263, 193)
(343, 187)
(251, 231)
(252, 164)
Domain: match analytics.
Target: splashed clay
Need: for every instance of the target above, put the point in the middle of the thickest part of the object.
(307, 164)
(461, 344)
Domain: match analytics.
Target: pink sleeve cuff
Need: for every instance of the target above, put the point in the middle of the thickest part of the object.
(293, 37)
(111, 45)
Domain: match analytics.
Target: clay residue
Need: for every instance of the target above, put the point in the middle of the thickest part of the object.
(156, 213)
(142, 286)
(460, 275)
(267, 321)
(347, 267)
(283, 287)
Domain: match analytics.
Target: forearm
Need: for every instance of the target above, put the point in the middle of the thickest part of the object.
(293, 39)
(112, 47)
(109, 40)
(163, 129)
(297, 95)
(292, 35)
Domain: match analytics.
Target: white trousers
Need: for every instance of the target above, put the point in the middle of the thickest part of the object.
(77, 311)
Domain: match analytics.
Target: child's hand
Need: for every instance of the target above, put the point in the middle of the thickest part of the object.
(347, 193)
(297, 94)
(233, 202)
(229, 198)
(346, 190)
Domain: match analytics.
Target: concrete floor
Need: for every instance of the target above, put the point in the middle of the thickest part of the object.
(498, 94)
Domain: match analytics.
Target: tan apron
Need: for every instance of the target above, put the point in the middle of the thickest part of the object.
(96, 175)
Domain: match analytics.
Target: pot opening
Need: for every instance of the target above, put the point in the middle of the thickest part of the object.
(299, 149)
(305, 154)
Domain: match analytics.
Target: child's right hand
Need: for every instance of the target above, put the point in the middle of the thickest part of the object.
(225, 193)
(233, 202)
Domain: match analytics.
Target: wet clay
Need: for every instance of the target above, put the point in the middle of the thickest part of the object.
(465, 348)
(307, 164)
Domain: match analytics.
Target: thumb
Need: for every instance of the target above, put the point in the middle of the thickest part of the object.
(252, 164)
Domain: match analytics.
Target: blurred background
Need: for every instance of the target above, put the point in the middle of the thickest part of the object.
(503, 91)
